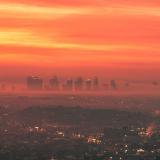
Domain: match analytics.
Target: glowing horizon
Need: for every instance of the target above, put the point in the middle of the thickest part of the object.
(65, 34)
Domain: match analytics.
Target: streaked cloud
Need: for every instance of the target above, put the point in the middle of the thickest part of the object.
(33, 11)
(24, 38)
(82, 32)
(39, 12)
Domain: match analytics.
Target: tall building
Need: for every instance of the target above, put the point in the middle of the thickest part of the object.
(88, 84)
(95, 83)
(79, 84)
(34, 83)
(69, 85)
(54, 83)
(113, 84)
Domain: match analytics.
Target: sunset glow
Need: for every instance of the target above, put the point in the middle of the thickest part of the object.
(119, 37)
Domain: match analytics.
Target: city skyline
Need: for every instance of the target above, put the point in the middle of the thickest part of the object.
(81, 84)
(80, 79)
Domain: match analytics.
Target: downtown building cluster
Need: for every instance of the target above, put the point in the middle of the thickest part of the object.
(77, 84)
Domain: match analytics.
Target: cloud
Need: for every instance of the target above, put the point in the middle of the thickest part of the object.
(82, 32)
(30, 11)
(26, 38)
(38, 12)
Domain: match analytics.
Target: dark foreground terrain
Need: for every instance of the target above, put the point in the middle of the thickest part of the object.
(75, 133)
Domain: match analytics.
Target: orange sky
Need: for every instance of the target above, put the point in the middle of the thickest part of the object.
(119, 39)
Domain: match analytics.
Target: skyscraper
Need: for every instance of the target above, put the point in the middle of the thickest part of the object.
(34, 83)
(54, 83)
(88, 84)
(113, 84)
(95, 83)
(69, 85)
(79, 84)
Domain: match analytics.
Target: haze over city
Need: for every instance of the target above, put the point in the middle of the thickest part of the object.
(79, 80)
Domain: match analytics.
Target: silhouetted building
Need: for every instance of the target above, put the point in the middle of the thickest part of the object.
(69, 85)
(127, 84)
(54, 83)
(88, 84)
(113, 84)
(79, 84)
(95, 83)
(34, 83)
